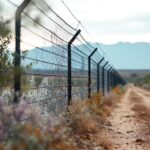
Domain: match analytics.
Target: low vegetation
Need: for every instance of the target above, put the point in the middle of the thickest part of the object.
(142, 113)
(81, 128)
(141, 81)
(141, 110)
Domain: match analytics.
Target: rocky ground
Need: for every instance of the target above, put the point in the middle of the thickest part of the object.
(129, 123)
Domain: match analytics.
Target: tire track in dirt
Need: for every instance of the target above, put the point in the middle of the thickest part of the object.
(144, 94)
(125, 131)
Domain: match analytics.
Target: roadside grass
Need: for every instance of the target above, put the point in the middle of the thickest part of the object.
(81, 128)
(86, 119)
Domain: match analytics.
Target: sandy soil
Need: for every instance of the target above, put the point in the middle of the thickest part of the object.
(126, 132)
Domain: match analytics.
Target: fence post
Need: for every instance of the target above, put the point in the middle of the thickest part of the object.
(111, 71)
(113, 78)
(108, 79)
(103, 78)
(17, 74)
(70, 66)
(107, 72)
(89, 72)
(98, 73)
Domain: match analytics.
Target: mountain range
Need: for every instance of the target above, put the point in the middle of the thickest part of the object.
(122, 55)
(126, 55)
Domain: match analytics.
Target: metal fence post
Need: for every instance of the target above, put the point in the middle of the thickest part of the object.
(70, 66)
(98, 65)
(113, 78)
(103, 77)
(108, 79)
(89, 72)
(17, 74)
(111, 71)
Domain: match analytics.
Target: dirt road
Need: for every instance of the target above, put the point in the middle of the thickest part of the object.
(127, 130)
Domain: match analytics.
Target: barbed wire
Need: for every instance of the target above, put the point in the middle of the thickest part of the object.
(79, 22)
(46, 61)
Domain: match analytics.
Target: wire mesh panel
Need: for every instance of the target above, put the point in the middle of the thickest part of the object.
(100, 79)
(7, 24)
(105, 82)
(79, 74)
(80, 53)
(93, 76)
(45, 63)
(44, 58)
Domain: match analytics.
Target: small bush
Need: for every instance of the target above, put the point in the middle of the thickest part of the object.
(118, 90)
(80, 119)
(22, 128)
(86, 122)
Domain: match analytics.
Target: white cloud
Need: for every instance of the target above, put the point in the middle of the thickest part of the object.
(109, 19)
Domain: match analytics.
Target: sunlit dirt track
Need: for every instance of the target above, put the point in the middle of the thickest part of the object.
(127, 130)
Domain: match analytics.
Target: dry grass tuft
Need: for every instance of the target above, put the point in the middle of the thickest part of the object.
(118, 90)
(95, 103)
(80, 119)
(135, 98)
(105, 144)
(106, 112)
(83, 126)
(111, 100)
(141, 110)
(86, 119)
(143, 113)
(145, 92)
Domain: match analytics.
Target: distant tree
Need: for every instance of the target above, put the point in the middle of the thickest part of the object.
(5, 39)
(134, 75)
(6, 64)
(7, 57)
